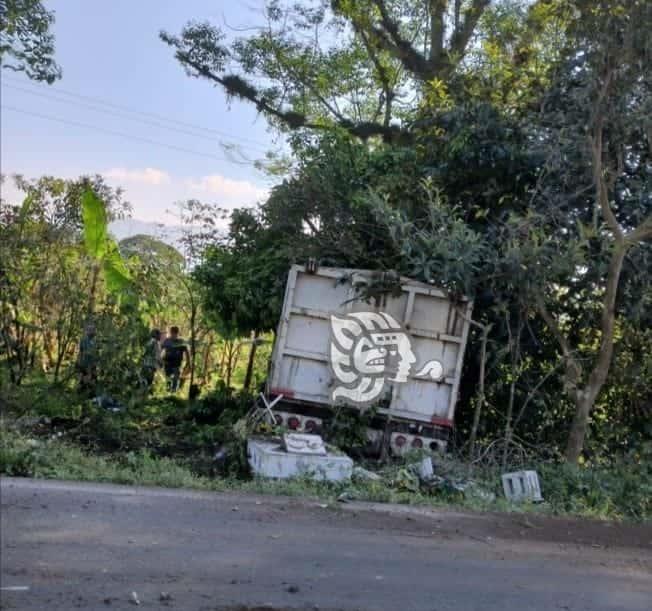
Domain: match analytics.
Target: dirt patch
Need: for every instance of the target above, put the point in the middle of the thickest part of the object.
(506, 526)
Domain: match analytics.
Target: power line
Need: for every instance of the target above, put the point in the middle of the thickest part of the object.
(121, 116)
(122, 135)
(140, 112)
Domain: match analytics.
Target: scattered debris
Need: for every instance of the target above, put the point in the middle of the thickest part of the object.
(406, 480)
(473, 490)
(522, 486)
(108, 403)
(221, 455)
(362, 474)
(423, 469)
(293, 589)
(346, 497)
(298, 443)
(165, 597)
(134, 599)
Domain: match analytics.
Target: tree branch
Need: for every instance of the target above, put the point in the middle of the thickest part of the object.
(573, 369)
(406, 52)
(596, 141)
(642, 232)
(383, 76)
(388, 37)
(462, 35)
(437, 9)
(599, 373)
(554, 327)
(237, 86)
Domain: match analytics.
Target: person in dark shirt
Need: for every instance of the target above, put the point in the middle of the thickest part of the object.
(174, 348)
(87, 361)
(151, 358)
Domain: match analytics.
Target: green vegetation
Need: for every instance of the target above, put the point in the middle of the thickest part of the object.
(500, 150)
(623, 492)
(27, 41)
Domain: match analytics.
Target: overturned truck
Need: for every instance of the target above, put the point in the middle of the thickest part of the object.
(356, 339)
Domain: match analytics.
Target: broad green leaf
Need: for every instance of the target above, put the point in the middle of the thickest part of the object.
(95, 224)
(26, 207)
(116, 274)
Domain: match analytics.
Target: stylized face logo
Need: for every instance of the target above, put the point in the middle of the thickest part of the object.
(367, 349)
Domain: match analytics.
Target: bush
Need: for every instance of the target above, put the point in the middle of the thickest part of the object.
(623, 490)
(223, 406)
(22, 456)
(17, 456)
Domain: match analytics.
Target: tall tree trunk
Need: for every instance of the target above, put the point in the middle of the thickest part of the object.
(585, 398)
(437, 10)
(250, 362)
(206, 359)
(232, 352)
(579, 428)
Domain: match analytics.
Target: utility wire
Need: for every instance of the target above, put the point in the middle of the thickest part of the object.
(122, 135)
(122, 108)
(113, 113)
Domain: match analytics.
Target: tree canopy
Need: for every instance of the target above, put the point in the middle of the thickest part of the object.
(26, 39)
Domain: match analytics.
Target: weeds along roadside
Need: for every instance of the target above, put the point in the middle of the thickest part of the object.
(165, 441)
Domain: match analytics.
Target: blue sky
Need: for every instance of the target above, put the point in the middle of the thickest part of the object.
(111, 51)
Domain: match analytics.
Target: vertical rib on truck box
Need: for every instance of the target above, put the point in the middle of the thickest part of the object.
(437, 329)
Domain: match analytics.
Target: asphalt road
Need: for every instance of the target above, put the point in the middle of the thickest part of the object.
(68, 545)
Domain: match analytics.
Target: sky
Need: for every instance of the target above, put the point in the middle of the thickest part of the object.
(126, 109)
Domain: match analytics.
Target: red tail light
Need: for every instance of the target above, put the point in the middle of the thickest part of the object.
(294, 423)
(417, 443)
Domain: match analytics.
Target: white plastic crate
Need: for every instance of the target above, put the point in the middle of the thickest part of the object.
(522, 486)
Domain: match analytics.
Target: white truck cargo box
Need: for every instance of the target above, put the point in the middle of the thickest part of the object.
(302, 360)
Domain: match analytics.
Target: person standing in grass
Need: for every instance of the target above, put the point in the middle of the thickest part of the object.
(87, 361)
(174, 348)
(152, 358)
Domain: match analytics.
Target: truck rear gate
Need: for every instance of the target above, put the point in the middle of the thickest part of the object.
(437, 326)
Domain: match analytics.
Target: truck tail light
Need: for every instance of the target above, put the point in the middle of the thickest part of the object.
(310, 426)
(278, 419)
(294, 423)
(417, 443)
(400, 441)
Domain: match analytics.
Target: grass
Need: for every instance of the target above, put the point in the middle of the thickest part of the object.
(568, 491)
(49, 432)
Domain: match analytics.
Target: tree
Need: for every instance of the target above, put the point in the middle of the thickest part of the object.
(41, 260)
(242, 277)
(198, 230)
(364, 65)
(599, 124)
(26, 40)
(57, 201)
